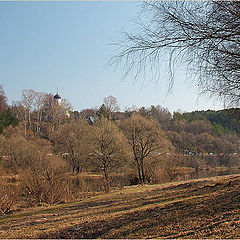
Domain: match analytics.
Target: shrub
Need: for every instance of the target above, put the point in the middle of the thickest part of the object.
(45, 181)
(8, 197)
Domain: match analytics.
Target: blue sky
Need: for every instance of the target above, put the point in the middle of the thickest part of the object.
(45, 45)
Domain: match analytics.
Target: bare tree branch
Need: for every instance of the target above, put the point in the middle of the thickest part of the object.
(203, 35)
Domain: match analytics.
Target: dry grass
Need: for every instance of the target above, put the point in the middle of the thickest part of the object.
(206, 208)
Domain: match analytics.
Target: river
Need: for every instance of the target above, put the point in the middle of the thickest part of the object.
(209, 173)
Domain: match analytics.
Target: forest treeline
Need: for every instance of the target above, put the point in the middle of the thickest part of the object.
(51, 154)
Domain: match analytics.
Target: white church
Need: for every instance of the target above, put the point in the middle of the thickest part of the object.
(58, 100)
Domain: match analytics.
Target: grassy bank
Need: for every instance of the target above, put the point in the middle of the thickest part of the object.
(204, 208)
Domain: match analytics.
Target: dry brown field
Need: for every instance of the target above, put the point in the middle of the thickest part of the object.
(203, 208)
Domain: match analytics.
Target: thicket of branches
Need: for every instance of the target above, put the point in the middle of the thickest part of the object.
(204, 36)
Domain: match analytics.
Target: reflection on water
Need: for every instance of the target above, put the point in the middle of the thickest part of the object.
(209, 173)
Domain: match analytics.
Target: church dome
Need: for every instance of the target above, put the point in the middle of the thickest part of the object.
(57, 96)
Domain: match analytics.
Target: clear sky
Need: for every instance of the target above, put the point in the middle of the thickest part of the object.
(45, 45)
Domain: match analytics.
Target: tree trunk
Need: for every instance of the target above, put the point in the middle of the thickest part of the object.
(107, 185)
(139, 171)
(143, 174)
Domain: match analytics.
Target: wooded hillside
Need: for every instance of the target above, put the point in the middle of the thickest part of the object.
(51, 154)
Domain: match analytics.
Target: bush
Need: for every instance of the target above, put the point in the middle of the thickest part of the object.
(8, 197)
(45, 182)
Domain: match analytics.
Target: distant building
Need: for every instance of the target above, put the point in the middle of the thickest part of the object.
(91, 120)
(57, 98)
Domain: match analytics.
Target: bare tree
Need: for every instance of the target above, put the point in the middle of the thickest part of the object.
(28, 97)
(111, 105)
(21, 151)
(204, 35)
(25, 107)
(146, 139)
(72, 139)
(40, 113)
(108, 148)
(162, 115)
(40, 101)
(42, 174)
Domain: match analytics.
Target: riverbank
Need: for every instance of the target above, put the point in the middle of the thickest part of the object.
(203, 208)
